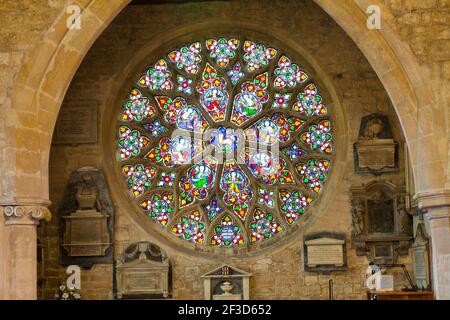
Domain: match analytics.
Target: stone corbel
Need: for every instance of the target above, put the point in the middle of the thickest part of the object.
(25, 212)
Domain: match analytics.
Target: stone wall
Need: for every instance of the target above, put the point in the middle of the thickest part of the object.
(279, 274)
(425, 25)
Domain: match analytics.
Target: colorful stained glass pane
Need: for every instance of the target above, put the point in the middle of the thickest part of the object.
(200, 178)
(288, 74)
(286, 125)
(310, 102)
(294, 152)
(213, 94)
(224, 140)
(281, 100)
(265, 197)
(248, 103)
(167, 179)
(271, 130)
(179, 150)
(178, 112)
(170, 107)
(159, 207)
(236, 74)
(257, 55)
(155, 128)
(224, 87)
(189, 118)
(235, 185)
(263, 225)
(293, 204)
(187, 58)
(137, 108)
(222, 50)
(264, 131)
(157, 78)
(184, 85)
(270, 169)
(131, 142)
(314, 173)
(190, 227)
(319, 137)
(227, 233)
(213, 209)
(139, 177)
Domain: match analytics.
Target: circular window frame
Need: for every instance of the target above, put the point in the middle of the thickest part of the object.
(185, 35)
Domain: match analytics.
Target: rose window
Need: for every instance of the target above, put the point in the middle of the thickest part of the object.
(224, 142)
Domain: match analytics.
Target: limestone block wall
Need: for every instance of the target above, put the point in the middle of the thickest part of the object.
(425, 25)
(279, 274)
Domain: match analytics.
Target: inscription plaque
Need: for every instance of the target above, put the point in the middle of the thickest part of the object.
(143, 271)
(421, 258)
(86, 234)
(325, 252)
(376, 154)
(146, 281)
(77, 123)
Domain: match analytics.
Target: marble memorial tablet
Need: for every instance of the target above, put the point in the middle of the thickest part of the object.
(325, 251)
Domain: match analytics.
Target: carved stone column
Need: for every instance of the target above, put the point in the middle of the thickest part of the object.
(437, 206)
(20, 219)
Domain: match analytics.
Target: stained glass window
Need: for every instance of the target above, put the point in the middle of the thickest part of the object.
(225, 142)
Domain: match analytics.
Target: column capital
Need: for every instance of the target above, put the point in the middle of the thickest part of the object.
(434, 200)
(24, 211)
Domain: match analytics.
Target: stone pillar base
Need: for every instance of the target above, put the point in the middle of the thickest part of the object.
(437, 206)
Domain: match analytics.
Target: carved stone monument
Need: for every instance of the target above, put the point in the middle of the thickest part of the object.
(143, 272)
(376, 151)
(382, 228)
(325, 252)
(421, 255)
(87, 219)
(226, 283)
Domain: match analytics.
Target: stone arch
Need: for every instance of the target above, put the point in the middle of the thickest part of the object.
(45, 77)
(405, 82)
(37, 96)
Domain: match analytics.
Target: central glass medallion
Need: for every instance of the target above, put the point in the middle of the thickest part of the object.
(224, 140)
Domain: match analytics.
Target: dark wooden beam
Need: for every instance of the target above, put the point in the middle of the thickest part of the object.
(147, 2)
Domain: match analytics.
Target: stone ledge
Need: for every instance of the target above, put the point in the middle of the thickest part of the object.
(427, 200)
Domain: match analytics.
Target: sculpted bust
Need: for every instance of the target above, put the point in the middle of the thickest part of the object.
(373, 128)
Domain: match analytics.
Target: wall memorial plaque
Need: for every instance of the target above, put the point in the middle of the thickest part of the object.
(87, 219)
(375, 151)
(77, 123)
(143, 271)
(226, 283)
(421, 256)
(325, 252)
(382, 227)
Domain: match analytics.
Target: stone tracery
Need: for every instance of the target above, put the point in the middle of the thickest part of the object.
(223, 113)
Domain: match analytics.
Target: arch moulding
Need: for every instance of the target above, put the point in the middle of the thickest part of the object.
(45, 77)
